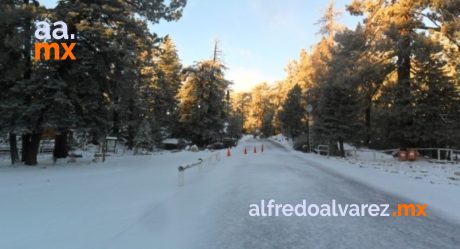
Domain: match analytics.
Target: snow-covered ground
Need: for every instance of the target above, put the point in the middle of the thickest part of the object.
(436, 184)
(423, 170)
(89, 205)
(136, 202)
(287, 142)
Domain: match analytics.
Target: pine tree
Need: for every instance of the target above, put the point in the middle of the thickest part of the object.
(293, 112)
(16, 69)
(202, 108)
(235, 125)
(113, 52)
(322, 51)
(338, 121)
(12, 65)
(258, 107)
(436, 99)
(362, 70)
(399, 22)
(89, 93)
(267, 124)
(166, 83)
(339, 107)
(144, 137)
(240, 107)
(328, 23)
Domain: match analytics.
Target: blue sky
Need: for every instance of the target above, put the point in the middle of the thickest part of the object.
(257, 37)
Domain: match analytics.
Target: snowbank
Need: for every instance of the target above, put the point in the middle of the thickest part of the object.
(437, 185)
(281, 139)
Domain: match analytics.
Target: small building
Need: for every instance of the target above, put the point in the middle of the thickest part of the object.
(111, 144)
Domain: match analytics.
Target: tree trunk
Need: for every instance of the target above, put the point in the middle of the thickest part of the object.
(131, 127)
(367, 120)
(404, 99)
(13, 149)
(61, 148)
(130, 139)
(26, 138)
(341, 149)
(32, 150)
(94, 137)
(116, 123)
(25, 146)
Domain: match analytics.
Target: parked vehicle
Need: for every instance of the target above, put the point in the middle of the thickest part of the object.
(175, 143)
(229, 142)
(216, 146)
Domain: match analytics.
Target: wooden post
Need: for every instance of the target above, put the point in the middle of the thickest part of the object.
(104, 149)
(181, 176)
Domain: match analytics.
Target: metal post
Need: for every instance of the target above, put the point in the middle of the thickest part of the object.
(309, 135)
(310, 144)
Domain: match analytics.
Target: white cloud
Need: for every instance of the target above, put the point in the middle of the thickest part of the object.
(244, 79)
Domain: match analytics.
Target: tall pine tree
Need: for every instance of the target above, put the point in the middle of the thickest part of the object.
(202, 108)
(292, 113)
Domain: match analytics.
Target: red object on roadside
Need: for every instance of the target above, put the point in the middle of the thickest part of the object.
(229, 153)
(412, 155)
(245, 150)
(255, 149)
(402, 155)
(262, 149)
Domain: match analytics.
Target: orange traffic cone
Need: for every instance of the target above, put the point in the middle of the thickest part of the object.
(229, 153)
(262, 149)
(255, 149)
(245, 150)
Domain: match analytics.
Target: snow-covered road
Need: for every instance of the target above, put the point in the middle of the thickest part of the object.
(279, 175)
(135, 202)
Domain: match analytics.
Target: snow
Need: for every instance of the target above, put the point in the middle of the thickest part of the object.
(369, 155)
(281, 139)
(89, 205)
(437, 185)
(422, 182)
(136, 201)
